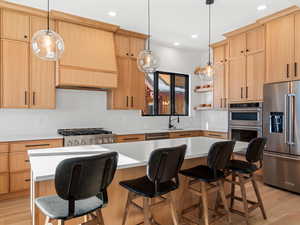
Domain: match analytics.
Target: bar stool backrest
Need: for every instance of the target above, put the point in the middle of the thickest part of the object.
(85, 177)
(165, 163)
(220, 154)
(255, 150)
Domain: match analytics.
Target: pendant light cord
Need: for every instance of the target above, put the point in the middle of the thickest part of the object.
(209, 35)
(48, 16)
(149, 25)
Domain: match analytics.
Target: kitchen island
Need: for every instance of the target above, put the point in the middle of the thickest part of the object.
(133, 158)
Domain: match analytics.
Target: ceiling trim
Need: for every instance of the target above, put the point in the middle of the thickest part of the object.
(242, 30)
(131, 34)
(22, 8)
(219, 43)
(281, 13)
(57, 15)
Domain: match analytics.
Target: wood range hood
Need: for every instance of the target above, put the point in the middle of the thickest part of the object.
(89, 60)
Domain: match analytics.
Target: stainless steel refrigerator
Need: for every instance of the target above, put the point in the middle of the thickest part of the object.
(281, 125)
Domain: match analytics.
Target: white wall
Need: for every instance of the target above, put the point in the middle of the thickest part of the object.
(88, 108)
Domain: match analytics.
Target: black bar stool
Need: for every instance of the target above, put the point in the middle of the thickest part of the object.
(245, 170)
(161, 179)
(80, 185)
(211, 178)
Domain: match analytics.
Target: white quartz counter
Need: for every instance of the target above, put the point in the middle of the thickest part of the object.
(29, 137)
(44, 162)
(147, 131)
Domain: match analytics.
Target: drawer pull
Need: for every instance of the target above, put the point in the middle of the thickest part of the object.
(27, 161)
(214, 135)
(185, 135)
(37, 145)
(27, 180)
(130, 139)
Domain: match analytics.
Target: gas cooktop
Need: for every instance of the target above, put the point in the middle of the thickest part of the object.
(83, 131)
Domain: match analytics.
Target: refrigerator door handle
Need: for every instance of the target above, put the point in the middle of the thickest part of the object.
(291, 118)
(287, 115)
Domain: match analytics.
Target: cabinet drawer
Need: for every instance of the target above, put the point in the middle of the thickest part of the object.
(4, 183)
(184, 134)
(18, 161)
(130, 138)
(3, 162)
(3, 148)
(23, 146)
(19, 181)
(215, 134)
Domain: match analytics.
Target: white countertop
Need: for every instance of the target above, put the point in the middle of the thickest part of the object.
(29, 137)
(147, 131)
(44, 162)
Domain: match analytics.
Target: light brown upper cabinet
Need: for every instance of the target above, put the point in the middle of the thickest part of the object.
(220, 54)
(280, 38)
(297, 47)
(130, 94)
(27, 81)
(89, 59)
(14, 25)
(15, 71)
(42, 73)
(129, 46)
(247, 65)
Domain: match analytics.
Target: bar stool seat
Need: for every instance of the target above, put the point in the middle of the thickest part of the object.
(242, 166)
(144, 187)
(203, 173)
(56, 208)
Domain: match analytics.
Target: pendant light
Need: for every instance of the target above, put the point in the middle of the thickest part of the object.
(147, 61)
(47, 44)
(209, 70)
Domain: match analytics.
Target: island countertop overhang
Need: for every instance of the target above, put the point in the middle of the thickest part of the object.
(44, 162)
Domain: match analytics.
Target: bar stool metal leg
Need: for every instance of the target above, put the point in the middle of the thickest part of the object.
(259, 199)
(60, 222)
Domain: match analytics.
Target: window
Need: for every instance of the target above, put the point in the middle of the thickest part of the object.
(167, 94)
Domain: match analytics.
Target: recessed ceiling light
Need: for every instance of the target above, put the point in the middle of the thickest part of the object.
(112, 13)
(176, 43)
(195, 36)
(261, 7)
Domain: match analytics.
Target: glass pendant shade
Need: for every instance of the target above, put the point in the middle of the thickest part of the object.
(147, 61)
(47, 45)
(209, 70)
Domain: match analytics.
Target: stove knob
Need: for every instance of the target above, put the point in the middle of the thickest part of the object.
(76, 142)
(100, 141)
(69, 143)
(83, 142)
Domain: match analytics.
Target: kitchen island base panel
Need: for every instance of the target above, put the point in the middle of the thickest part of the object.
(114, 211)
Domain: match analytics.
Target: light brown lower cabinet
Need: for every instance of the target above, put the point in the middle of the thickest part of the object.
(130, 138)
(4, 183)
(15, 166)
(185, 134)
(19, 181)
(214, 134)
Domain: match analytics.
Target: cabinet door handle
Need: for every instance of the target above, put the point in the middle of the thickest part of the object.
(131, 101)
(225, 102)
(296, 69)
(241, 92)
(27, 180)
(33, 98)
(131, 139)
(288, 70)
(247, 92)
(126, 101)
(221, 100)
(27, 161)
(37, 145)
(127, 54)
(25, 97)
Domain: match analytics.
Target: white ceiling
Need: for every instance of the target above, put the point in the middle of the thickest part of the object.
(172, 20)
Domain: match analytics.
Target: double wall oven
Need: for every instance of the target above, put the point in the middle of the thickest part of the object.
(245, 121)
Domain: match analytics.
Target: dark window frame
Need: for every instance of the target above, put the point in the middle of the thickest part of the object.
(172, 94)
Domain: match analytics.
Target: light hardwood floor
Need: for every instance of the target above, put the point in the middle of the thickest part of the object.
(283, 208)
